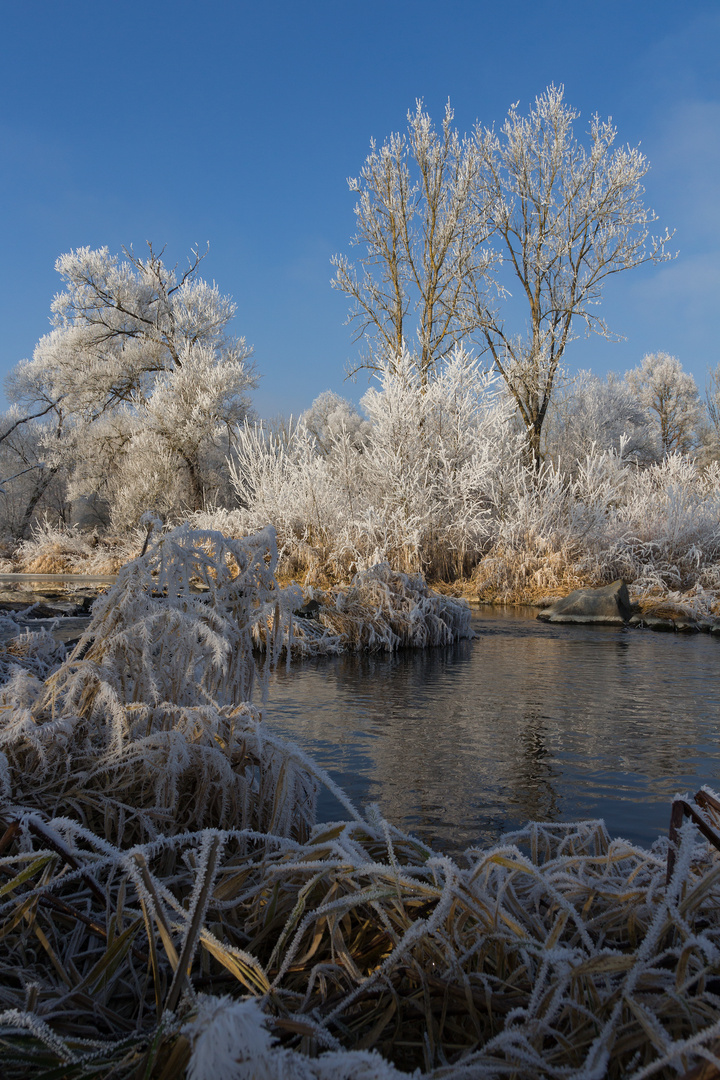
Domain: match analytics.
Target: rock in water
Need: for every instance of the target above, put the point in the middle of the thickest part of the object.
(609, 605)
(308, 610)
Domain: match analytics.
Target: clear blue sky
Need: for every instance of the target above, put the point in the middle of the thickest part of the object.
(238, 123)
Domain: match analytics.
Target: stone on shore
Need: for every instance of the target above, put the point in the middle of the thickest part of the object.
(609, 605)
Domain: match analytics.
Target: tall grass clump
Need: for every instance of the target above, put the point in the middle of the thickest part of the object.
(658, 528)
(381, 610)
(148, 724)
(23, 649)
(56, 548)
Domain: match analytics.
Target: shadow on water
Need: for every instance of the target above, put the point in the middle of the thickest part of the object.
(528, 721)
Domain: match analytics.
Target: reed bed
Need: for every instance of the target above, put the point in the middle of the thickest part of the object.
(58, 549)
(169, 908)
(35, 651)
(382, 610)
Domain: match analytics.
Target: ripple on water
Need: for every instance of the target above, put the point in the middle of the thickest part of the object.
(460, 744)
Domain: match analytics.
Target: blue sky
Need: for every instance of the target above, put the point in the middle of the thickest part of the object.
(238, 123)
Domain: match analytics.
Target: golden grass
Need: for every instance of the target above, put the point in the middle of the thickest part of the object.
(381, 610)
(61, 550)
(558, 952)
(526, 576)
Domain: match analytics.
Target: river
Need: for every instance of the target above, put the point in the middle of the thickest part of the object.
(527, 721)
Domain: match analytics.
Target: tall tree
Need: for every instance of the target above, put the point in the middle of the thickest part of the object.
(140, 358)
(671, 397)
(566, 217)
(421, 228)
(712, 400)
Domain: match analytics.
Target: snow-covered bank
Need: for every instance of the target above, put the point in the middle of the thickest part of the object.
(434, 481)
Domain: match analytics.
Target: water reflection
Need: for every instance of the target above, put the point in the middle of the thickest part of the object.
(462, 743)
(532, 792)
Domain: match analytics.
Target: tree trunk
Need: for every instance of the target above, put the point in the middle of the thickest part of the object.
(40, 488)
(533, 454)
(197, 488)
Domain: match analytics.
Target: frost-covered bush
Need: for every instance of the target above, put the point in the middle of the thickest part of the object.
(331, 416)
(658, 528)
(381, 610)
(285, 481)
(152, 710)
(671, 524)
(437, 482)
(415, 486)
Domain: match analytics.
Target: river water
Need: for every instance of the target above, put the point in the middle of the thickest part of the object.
(527, 721)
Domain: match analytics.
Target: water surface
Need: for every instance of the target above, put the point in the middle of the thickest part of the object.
(527, 721)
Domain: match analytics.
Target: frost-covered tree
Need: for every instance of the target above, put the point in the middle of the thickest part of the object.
(141, 359)
(328, 416)
(671, 397)
(421, 230)
(565, 217)
(712, 402)
(591, 414)
(29, 483)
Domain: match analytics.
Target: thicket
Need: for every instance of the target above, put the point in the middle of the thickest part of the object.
(433, 479)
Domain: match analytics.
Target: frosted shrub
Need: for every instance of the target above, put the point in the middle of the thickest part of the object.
(331, 417)
(415, 486)
(657, 528)
(674, 512)
(412, 613)
(287, 482)
(152, 708)
(381, 610)
(671, 399)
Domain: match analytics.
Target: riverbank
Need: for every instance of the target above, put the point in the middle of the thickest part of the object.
(34, 576)
(165, 876)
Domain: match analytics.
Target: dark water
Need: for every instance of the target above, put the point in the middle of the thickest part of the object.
(528, 721)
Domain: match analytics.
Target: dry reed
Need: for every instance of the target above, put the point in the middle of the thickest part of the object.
(381, 610)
